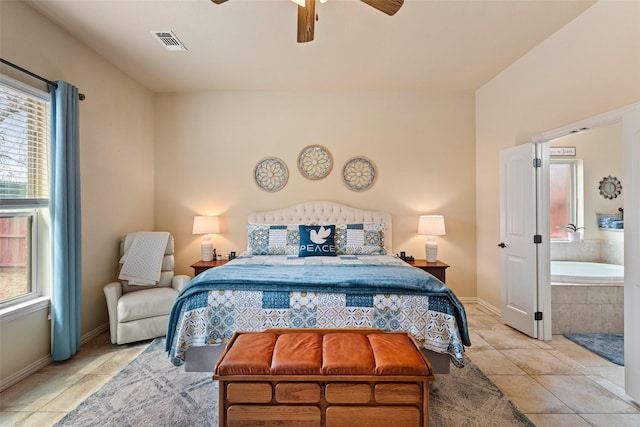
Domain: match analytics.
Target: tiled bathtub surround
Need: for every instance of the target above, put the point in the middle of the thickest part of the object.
(589, 308)
(610, 250)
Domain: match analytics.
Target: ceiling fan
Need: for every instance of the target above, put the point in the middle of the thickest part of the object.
(307, 14)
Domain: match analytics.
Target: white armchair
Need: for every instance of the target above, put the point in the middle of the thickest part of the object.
(139, 313)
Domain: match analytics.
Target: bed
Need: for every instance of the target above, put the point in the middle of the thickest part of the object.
(286, 279)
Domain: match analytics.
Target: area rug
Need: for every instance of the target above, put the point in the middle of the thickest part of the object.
(152, 392)
(609, 346)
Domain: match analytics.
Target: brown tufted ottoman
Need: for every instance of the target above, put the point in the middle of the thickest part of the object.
(323, 377)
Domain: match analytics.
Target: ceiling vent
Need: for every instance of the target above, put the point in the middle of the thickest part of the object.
(169, 40)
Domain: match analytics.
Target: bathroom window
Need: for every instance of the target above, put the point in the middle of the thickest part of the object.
(565, 195)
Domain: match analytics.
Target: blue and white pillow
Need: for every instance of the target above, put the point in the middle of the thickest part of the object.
(317, 240)
(273, 239)
(360, 239)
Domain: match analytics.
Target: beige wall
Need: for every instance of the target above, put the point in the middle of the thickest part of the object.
(589, 67)
(116, 152)
(207, 145)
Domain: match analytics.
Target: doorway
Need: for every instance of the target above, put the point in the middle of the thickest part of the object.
(579, 162)
(629, 117)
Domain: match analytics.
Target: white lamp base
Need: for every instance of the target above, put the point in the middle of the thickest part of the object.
(206, 249)
(431, 250)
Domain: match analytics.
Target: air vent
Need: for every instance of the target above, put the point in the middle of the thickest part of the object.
(169, 40)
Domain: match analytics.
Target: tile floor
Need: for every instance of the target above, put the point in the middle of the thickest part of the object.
(555, 383)
(43, 398)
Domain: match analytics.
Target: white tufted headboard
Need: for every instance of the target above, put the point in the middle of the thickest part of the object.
(323, 212)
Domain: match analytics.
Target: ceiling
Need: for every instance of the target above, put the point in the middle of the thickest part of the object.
(443, 45)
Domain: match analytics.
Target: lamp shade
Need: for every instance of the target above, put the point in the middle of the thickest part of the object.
(206, 224)
(431, 225)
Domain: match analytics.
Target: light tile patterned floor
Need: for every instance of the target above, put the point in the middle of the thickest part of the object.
(45, 397)
(555, 383)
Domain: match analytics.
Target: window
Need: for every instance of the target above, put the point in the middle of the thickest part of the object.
(565, 178)
(24, 190)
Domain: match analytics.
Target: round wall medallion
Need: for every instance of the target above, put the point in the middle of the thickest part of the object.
(359, 174)
(315, 162)
(271, 174)
(610, 187)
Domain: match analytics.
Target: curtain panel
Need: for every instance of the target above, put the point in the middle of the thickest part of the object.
(66, 256)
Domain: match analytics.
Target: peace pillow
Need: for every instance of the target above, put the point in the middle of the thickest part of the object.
(317, 240)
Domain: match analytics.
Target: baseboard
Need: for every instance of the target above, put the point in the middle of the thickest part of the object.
(94, 333)
(34, 367)
(23, 373)
(468, 300)
(491, 308)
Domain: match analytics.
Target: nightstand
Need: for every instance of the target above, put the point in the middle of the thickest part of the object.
(437, 269)
(201, 266)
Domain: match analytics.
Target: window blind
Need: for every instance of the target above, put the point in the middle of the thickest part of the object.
(24, 146)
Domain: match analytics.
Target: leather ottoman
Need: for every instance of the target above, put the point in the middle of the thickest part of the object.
(323, 377)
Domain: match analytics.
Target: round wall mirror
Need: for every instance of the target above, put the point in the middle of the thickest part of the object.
(610, 187)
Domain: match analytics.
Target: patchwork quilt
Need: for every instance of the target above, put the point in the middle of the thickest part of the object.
(255, 292)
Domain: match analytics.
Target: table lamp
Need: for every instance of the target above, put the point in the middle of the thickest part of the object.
(431, 226)
(206, 225)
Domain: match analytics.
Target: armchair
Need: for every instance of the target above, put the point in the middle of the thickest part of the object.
(139, 313)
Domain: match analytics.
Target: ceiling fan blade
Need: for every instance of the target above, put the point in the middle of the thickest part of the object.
(306, 21)
(390, 7)
(218, 1)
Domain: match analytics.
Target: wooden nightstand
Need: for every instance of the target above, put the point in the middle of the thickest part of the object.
(437, 269)
(201, 266)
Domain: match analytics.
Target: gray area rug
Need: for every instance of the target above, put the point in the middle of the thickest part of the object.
(609, 346)
(152, 392)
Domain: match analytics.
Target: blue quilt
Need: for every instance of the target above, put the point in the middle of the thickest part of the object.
(258, 292)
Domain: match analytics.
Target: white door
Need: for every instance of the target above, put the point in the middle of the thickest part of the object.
(518, 262)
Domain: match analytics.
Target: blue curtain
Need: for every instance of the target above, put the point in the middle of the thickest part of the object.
(64, 204)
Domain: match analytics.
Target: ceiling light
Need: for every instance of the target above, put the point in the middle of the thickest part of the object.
(303, 3)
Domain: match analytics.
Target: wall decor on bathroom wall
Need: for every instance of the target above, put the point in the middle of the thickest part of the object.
(271, 174)
(359, 173)
(315, 162)
(562, 151)
(610, 187)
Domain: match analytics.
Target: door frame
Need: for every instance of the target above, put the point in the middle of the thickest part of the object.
(629, 117)
(543, 249)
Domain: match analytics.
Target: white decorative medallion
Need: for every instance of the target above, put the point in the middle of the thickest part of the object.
(271, 174)
(359, 174)
(315, 162)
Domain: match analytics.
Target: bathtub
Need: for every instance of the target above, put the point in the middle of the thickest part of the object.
(586, 273)
(587, 297)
